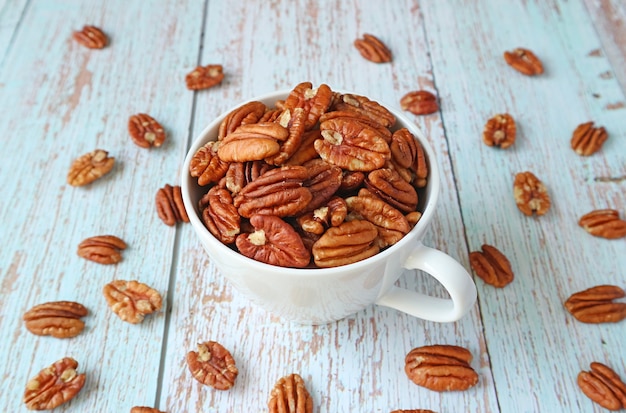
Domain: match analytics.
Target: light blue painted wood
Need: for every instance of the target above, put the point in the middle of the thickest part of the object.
(10, 13)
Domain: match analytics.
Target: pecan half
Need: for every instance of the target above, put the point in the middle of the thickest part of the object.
(419, 102)
(604, 223)
(374, 50)
(324, 180)
(332, 214)
(60, 319)
(290, 395)
(531, 195)
(293, 120)
(351, 180)
(278, 192)
(206, 165)
(358, 117)
(306, 151)
(240, 174)
(252, 142)
(54, 385)
(131, 300)
(366, 107)
(220, 215)
(391, 188)
(145, 131)
(204, 77)
(500, 131)
(524, 61)
(441, 368)
(314, 101)
(103, 249)
(89, 167)
(349, 242)
(407, 152)
(169, 205)
(587, 140)
(391, 224)
(595, 305)
(144, 409)
(91, 37)
(492, 266)
(603, 386)
(250, 112)
(352, 145)
(213, 365)
(273, 242)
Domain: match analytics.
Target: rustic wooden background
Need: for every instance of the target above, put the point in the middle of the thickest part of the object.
(59, 100)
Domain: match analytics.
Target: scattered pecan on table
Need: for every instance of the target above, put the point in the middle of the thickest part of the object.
(441, 367)
(587, 139)
(500, 131)
(89, 167)
(144, 409)
(54, 385)
(103, 249)
(61, 319)
(604, 223)
(91, 37)
(145, 131)
(419, 102)
(531, 195)
(290, 395)
(603, 386)
(204, 77)
(373, 49)
(524, 61)
(169, 205)
(492, 266)
(595, 305)
(213, 365)
(131, 300)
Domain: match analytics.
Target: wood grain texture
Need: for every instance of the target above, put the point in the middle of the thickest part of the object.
(536, 349)
(11, 12)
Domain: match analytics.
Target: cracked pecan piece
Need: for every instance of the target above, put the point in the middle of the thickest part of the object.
(290, 395)
(524, 61)
(419, 102)
(531, 195)
(103, 249)
(330, 215)
(347, 243)
(206, 165)
(91, 37)
(595, 305)
(60, 319)
(604, 223)
(441, 367)
(603, 386)
(54, 385)
(213, 365)
(278, 192)
(204, 77)
(273, 242)
(252, 142)
(389, 186)
(352, 145)
(220, 215)
(131, 300)
(144, 409)
(492, 266)
(169, 205)
(373, 49)
(500, 131)
(89, 167)
(366, 107)
(314, 101)
(145, 131)
(587, 139)
(250, 112)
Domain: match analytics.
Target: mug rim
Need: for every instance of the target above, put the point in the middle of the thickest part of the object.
(205, 235)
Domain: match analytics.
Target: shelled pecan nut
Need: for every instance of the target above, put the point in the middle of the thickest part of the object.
(314, 101)
(206, 165)
(412, 411)
(213, 365)
(89, 167)
(595, 304)
(220, 215)
(492, 266)
(500, 131)
(332, 214)
(306, 151)
(347, 243)
(145, 131)
(60, 319)
(250, 112)
(91, 37)
(531, 195)
(252, 142)
(587, 139)
(323, 181)
(204, 77)
(103, 249)
(131, 300)
(273, 242)
(441, 368)
(366, 107)
(169, 205)
(604, 223)
(351, 180)
(419, 102)
(373, 49)
(358, 117)
(391, 224)
(603, 386)
(278, 192)
(292, 120)
(524, 61)
(144, 409)
(290, 395)
(54, 385)
(391, 188)
(240, 174)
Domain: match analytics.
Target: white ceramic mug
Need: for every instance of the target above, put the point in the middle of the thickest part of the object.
(323, 295)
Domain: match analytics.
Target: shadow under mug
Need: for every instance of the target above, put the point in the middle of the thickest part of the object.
(323, 295)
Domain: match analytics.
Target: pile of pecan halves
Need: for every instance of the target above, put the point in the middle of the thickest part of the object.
(322, 179)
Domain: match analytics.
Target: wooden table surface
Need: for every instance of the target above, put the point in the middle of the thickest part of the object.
(59, 100)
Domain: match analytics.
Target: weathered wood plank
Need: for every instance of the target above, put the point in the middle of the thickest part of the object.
(61, 100)
(11, 12)
(357, 361)
(536, 348)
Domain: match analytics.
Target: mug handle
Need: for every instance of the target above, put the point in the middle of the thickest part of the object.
(445, 269)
